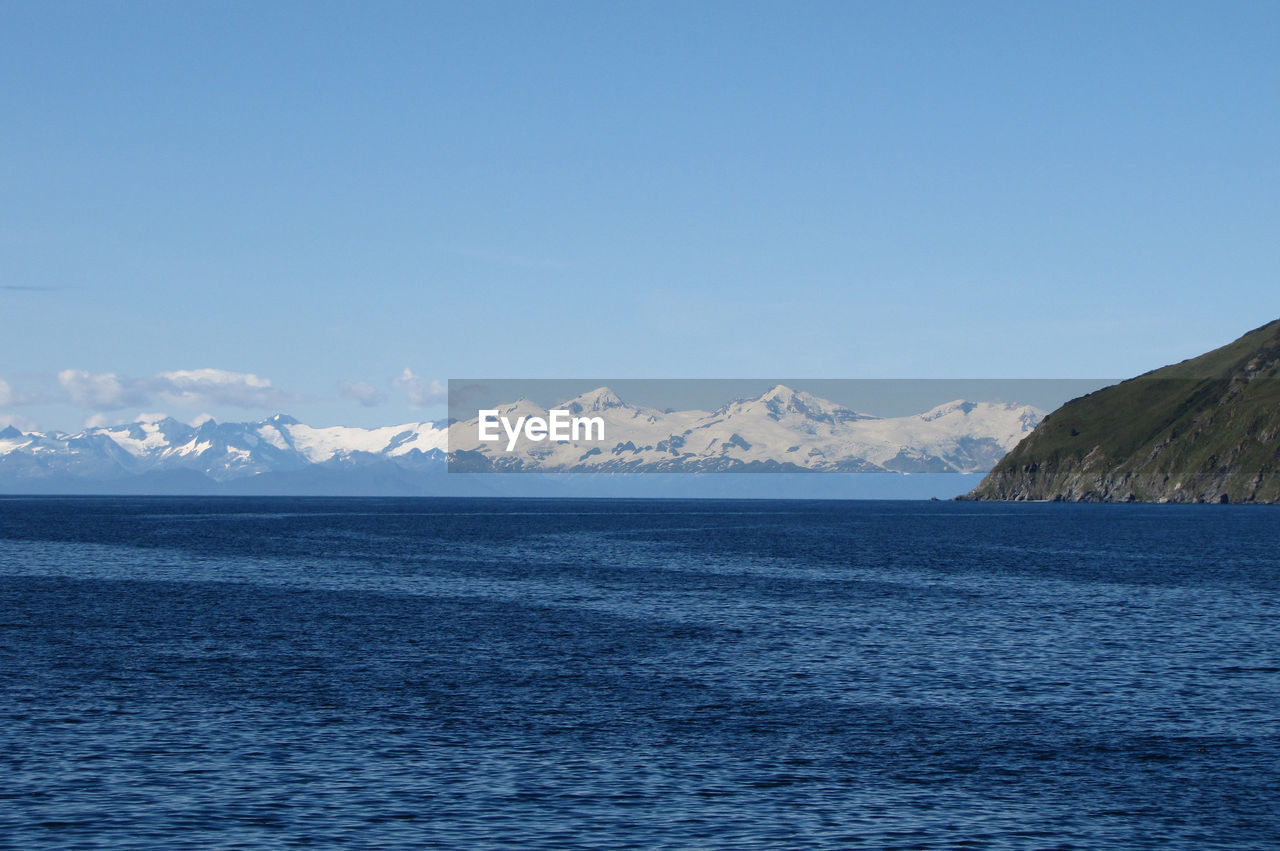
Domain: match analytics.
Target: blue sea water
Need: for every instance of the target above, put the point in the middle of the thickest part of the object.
(637, 674)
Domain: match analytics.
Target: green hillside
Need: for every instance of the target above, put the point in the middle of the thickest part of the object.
(1203, 430)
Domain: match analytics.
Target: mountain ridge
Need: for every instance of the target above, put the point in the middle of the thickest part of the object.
(1205, 429)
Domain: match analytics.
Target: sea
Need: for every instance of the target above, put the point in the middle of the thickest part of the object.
(488, 673)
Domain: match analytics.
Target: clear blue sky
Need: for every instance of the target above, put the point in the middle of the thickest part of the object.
(316, 193)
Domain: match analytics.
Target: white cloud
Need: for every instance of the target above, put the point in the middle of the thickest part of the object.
(101, 391)
(421, 391)
(200, 420)
(361, 391)
(206, 388)
(19, 422)
(149, 418)
(10, 396)
(194, 388)
(100, 420)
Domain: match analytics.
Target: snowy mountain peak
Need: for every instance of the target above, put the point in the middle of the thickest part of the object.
(600, 399)
(778, 391)
(783, 403)
(961, 406)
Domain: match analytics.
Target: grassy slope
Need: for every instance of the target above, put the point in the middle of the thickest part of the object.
(1193, 431)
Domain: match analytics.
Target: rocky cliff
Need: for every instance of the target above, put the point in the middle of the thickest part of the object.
(1203, 430)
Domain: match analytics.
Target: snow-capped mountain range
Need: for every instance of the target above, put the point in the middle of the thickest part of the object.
(219, 451)
(784, 430)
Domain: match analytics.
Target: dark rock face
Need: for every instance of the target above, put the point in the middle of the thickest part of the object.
(1205, 430)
